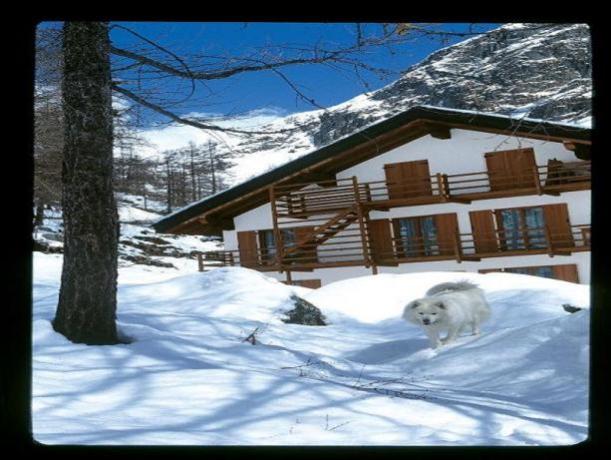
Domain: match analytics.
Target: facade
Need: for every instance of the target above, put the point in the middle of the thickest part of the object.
(437, 190)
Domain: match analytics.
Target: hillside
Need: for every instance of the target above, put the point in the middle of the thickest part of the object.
(368, 378)
(138, 243)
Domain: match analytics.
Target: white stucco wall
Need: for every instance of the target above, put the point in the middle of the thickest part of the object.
(463, 153)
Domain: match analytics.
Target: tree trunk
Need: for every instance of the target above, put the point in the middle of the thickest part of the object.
(212, 169)
(169, 185)
(40, 214)
(193, 176)
(86, 312)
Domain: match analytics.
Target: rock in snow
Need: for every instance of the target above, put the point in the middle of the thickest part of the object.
(303, 312)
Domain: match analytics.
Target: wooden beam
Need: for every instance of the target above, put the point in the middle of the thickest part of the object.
(526, 134)
(438, 131)
(581, 151)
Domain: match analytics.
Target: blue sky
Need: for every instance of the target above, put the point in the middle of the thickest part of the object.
(264, 90)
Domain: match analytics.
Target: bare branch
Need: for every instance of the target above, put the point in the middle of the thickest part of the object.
(186, 121)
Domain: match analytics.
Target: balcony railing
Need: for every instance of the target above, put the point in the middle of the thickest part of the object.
(461, 247)
(305, 199)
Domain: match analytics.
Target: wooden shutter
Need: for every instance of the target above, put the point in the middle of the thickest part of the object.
(247, 244)
(557, 221)
(484, 235)
(566, 272)
(447, 230)
(408, 179)
(380, 240)
(308, 255)
(511, 169)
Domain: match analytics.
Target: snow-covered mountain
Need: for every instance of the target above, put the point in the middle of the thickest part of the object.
(538, 71)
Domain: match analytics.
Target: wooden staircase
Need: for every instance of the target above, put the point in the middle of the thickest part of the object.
(322, 233)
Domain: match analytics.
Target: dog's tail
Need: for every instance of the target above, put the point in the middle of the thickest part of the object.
(451, 287)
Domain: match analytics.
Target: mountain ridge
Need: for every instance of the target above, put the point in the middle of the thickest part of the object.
(540, 71)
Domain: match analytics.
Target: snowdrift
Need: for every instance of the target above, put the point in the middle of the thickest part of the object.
(368, 378)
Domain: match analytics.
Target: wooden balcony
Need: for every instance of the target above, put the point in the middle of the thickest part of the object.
(463, 247)
(329, 220)
(303, 200)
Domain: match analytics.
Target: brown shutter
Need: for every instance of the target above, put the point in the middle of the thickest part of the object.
(558, 224)
(393, 180)
(408, 179)
(380, 240)
(566, 273)
(247, 244)
(309, 254)
(447, 229)
(511, 169)
(484, 236)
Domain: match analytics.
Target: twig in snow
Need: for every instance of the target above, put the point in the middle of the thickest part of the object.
(252, 338)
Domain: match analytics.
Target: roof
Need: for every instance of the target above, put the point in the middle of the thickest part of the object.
(421, 119)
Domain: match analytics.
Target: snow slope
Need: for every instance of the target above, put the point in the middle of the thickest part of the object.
(366, 379)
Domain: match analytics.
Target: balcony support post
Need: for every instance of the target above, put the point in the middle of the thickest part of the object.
(276, 230)
(548, 238)
(457, 249)
(361, 217)
(200, 262)
(537, 180)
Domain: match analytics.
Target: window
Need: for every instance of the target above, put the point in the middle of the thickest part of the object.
(416, 236)
(522, 228)
(267, 242)
(426, 236)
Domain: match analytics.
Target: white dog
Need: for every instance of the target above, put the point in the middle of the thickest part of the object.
(448, 307)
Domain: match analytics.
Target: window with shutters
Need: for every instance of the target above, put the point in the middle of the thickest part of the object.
(416, 236)
(425, 236)
(522, 228)
(290, 238)
(267, 242)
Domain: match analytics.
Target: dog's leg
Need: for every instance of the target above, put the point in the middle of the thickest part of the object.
(475, 327)
(452, 334)
(433, 335)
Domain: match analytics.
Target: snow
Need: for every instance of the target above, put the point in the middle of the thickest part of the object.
(368, 378)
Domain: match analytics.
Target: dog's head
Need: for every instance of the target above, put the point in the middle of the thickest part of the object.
(425, 312)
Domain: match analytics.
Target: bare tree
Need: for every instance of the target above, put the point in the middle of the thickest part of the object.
(48, 123)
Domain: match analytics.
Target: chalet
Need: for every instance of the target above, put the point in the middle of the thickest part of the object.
(430, 189)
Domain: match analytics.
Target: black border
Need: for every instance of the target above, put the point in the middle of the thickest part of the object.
(15, 388)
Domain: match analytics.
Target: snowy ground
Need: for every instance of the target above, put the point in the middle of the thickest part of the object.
(367, 379)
